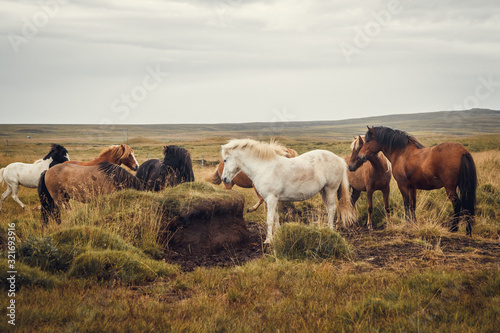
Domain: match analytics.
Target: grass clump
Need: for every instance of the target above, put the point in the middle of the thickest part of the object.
(126, 267)
(26, 276)
(56, 252)
(299, 241)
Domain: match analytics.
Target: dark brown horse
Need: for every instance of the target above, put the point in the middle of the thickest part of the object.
(116, 154)
(369, 177)
(175, 168)
(242, 180)
(81, 183)
(448, 165)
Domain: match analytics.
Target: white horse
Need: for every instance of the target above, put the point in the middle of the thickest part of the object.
(27, 175)
(278, 178)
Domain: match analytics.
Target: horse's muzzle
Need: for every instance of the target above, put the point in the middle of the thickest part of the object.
(226, 180)
(352, 168)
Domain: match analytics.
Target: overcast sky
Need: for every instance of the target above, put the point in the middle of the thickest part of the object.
(214, 61)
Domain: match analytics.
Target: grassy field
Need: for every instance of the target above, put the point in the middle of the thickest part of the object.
(103, 268)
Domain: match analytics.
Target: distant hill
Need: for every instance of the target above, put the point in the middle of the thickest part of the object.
(447, 123)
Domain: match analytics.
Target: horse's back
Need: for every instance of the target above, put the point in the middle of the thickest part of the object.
(76, 182)
(433, 167)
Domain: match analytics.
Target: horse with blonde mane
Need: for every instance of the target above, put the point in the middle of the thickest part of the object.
(278, 178)
(369, 177)
(242, 180)
(116, 154)
(416, 167)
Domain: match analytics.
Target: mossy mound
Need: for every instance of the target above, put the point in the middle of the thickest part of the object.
(122, 266)
(190, 218)
(299, 241)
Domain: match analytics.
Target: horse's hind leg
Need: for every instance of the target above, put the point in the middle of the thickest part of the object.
(15, 190)
(257, 205)
(329, 197)
(457, 205)
(5, 195)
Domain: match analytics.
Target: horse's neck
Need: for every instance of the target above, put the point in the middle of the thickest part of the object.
(254, 167)
(105, 158)
(43, 164)
(377, 163)
(394, 154)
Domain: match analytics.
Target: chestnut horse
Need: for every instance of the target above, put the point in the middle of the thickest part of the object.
(242, 180)
(116, 154)
(81, 183)
(448, 165)
(369, 177)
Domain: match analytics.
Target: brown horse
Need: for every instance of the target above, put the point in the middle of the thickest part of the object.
(369, 177)
(116, 154)
(448, 165)
(242, 180)
(81, 183)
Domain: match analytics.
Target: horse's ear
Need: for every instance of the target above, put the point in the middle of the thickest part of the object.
(360, 139)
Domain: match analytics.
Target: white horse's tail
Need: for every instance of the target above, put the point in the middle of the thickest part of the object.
(345, 209)
(1, 176)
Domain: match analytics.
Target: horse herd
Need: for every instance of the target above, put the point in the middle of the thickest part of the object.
(275, 172)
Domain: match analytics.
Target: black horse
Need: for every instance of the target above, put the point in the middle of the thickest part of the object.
(176, 168)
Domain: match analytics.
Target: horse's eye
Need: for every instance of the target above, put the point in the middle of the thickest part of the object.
(224, 161)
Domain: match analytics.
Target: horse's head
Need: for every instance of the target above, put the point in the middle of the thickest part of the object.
(363, 150)
(127, 158)
(231, 167)
(58, 153)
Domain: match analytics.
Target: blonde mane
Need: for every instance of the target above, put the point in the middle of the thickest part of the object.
(259, 149)
(355, 143)
(117, 152)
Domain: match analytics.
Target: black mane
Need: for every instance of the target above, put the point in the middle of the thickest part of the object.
(175, 168)
(121, 177)
(178, 161)
(58, 154)
(391, 138)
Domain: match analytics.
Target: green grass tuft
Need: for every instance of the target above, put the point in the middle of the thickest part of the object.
(125, 267)
(26, 277)
(299, 241)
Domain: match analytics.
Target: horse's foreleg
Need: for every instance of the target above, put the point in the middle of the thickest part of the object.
(405, 192)
(5, 195)
(272, 218)
(385, 193)
(355, 196)
(413, 204)
(369, 199)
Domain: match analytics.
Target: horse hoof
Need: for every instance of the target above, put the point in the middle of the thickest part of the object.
(267, 241)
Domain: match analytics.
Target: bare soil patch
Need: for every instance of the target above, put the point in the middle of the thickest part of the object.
(378, 249)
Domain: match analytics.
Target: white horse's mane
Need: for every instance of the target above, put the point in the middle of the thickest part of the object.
(261, 150)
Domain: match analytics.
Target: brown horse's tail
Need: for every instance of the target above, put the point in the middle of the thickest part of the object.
(215, 178)
(467, 184)
(345, 208)
(49, 207)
